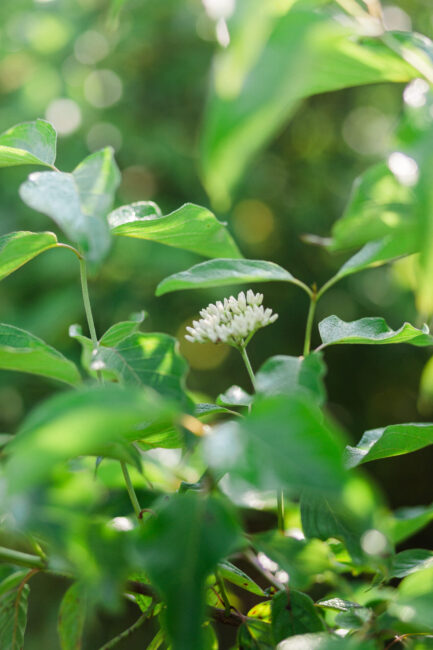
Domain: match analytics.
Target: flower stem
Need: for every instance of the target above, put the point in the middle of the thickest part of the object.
(309, 326)
(247, 363)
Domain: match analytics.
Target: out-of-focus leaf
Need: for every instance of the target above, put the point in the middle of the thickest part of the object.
(405, 522)
(13, 612)
(386, 442)
(182, 544)
(225, 272)
(71, 619)
(284, 443)
(282, 375)
(254, 635)
(298, 54)
(333, 331)
(411, 561)
(234, 396)
(324, 518)
(301, 559)
(353, 619)
(17, 248)
(339, 604)
(78, 202)
(190, 227)
(324, 641)
(22, 351)
(29, 143)
(294, 613)
(86, 421)
(415, 599)
(238, 577)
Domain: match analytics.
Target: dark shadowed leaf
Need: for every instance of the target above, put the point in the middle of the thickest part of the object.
(183, 543)
(191, 227)
(294, 613)
(29, 143)
(14, 595)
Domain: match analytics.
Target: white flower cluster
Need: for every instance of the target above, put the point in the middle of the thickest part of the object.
(233, 321)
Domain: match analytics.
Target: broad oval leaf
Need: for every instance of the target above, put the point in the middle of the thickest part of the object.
(283, 375)
(182, 544)
(333, 331)
(284, 443)
(411, 561)
(294, 613)
(71, 619)
(394, 440)
(78, 202)
(24, 352)
(90, 420)
(190, 227)
(416, 593)
(405, 522)
(29, 143)
(224, 272)
(17, 248)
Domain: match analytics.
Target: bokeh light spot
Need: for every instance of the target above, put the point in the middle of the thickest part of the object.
(253, 221)
(104, 134)
(103, 88)
(91, 47)
(65, 115)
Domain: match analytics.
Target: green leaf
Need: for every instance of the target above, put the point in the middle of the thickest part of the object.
(354, 619)
(294, 613)
(255, 635)
(86, 421)
(190, 227)
(324, 518)
(415, 599)
(405, 522)
(13, 614)
(71, 619)
(410, 561)
(385, 442)
(282, 375)
(120, 331)
(17, 248)
(257, 89)
(29, 143)
(140, 359)
(333, 331)
(284, 443)
(301, 559)
(339, 604)
(238, 577)
(324, 641)
(22, 351)
(78, 202)
(225, 272)
(182, 545)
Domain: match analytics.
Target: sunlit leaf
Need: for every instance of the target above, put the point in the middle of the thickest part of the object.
(282, 375)
(333, 331)
(234, 396)
(238, 577)
(24, 352)
(29, 143)
(284, 443)
(393, 440)
(17, 248)
(190, 227)
(225, 272)
(78, 202)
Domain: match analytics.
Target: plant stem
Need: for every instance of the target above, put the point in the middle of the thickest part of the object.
(131, 491)
(280, 510)
(224, 596)
(86, 301)
(247, 363)
(309, 326)
(125, 634)
(11, 556)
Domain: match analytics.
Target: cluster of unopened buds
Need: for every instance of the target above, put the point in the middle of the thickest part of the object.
(233, 321)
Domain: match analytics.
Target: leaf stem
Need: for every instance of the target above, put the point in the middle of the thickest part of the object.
(309, 326)
(280, 511)
(126, 633)
(11, 556)
(86, 301)
(131, 491)
(224, 596)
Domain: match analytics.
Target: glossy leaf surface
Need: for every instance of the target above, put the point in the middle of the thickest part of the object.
(333, 331)
(29, 143)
